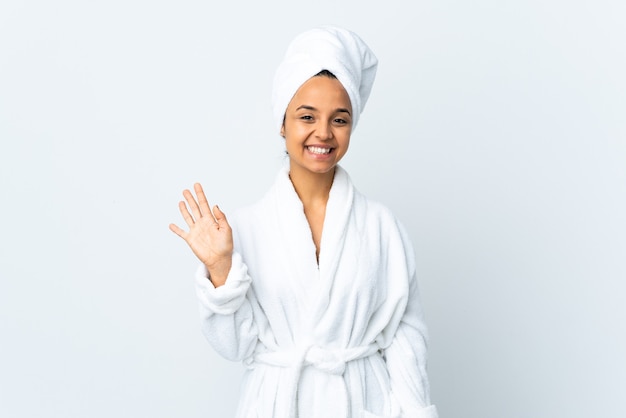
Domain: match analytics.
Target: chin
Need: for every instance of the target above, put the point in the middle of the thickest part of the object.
(326, 170)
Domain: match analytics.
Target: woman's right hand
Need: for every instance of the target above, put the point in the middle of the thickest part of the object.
(209, 237)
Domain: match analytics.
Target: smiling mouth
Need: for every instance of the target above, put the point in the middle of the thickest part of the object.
(319, 150)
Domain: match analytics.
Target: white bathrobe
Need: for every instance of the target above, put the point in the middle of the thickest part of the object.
(342, 338)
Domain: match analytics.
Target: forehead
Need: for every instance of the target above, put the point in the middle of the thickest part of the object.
(321, 91)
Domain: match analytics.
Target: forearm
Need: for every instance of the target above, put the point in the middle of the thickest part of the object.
(406, 359)
(227, 317)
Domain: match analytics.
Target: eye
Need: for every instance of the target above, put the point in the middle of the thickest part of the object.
(306, 117)
(340, 121)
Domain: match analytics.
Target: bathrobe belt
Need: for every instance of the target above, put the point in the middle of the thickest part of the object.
(330, 360)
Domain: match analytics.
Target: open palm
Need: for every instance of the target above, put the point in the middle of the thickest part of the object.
(209, 237)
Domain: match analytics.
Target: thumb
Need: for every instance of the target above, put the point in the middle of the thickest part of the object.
(220, 217)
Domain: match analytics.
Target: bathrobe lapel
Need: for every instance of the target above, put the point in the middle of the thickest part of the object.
(336, 223)
(299, 249)
(311, 283)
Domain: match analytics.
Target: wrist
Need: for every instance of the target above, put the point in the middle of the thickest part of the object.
(218, 271)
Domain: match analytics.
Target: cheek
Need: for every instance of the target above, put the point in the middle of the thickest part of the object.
(345, 143)
(292, 142)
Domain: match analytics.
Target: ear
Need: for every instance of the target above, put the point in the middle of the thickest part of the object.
(282, 131)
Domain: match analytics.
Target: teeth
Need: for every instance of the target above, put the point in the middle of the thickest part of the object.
(319, 150)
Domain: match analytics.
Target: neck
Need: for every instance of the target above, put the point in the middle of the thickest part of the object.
(312, 188)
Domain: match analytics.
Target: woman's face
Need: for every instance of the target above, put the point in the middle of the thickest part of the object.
(318, 123)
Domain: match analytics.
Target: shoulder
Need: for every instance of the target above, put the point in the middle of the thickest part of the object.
(250, 214)
(378, 218)
(384, 248)
(376, 211)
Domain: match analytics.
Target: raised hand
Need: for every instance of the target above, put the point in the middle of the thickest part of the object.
(209, 237)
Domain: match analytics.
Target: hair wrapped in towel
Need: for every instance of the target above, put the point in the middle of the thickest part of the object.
(337, 50)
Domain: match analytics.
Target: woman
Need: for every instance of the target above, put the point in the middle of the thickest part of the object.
(314, 287)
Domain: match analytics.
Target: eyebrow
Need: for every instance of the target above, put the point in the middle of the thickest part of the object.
(307, 107)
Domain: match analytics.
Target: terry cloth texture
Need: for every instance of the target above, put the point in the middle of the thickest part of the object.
(337, 50)
(342, 338)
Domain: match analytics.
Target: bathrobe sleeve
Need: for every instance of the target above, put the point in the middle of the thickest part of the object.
(406, 356)
(226, 313)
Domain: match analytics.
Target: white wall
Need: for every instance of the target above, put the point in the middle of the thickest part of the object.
(496, 131)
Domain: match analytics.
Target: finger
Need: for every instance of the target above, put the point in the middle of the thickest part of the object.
(178, 231)
(202, 200)
(193, 205)
(220, 217)
(186, 215)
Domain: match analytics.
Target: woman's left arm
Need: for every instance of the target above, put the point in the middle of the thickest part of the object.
(406, 360)
(406, 354)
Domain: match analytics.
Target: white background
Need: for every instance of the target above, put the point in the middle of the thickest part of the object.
(495, 131)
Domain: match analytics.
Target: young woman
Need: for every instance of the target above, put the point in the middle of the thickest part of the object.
(314, 287)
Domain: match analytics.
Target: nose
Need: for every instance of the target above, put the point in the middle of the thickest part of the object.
(324, 130)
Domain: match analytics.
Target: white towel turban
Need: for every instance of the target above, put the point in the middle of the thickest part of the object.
(337, 50)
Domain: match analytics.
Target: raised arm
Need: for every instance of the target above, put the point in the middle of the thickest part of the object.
(222, 283)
